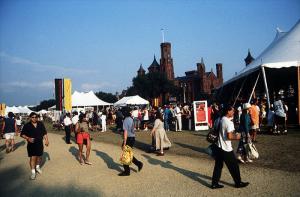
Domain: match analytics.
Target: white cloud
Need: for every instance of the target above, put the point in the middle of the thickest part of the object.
(25, 84)
(43, 67)
(95, 86)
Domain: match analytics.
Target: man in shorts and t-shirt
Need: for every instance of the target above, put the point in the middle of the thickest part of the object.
(9, 128)
(35, 132)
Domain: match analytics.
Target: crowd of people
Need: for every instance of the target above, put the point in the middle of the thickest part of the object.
(241, 123)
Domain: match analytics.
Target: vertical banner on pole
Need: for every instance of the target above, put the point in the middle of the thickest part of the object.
(68, 95)
(200, 115)
(2, 109)
(58, 94)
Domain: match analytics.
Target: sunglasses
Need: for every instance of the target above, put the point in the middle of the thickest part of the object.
(33, 117)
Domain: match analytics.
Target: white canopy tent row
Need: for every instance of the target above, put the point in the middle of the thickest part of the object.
(283, 52)
(83, 100)
(18, 110)
(131, 100)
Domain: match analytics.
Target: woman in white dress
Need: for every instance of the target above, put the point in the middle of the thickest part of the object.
(161, 139)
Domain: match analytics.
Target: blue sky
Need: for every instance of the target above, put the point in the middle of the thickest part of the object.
(100, 44)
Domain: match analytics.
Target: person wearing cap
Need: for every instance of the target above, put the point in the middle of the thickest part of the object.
(34, 132)
(244, 128)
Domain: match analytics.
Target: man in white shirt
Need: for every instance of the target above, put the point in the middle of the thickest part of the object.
(75, 119)
(224, 151)
(178, 117)
(68, 124)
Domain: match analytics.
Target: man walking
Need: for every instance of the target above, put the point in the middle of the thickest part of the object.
(68, 124)
(34, 132)
(224, 151)
(129, 139)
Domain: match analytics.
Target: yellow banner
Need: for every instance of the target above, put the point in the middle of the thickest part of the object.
(2, 109)
(68, 95)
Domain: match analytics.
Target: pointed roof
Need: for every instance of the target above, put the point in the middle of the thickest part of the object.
(154, 64)
(202, 62)
(284, 51)
(249, 57)
(141, 69)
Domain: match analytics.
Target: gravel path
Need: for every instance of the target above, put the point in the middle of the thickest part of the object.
(170, 175)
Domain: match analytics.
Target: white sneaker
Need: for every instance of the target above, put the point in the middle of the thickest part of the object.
(39, 170)
(32, 177)
(249, 160)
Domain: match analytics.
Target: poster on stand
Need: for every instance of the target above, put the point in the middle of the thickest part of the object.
(200, 115)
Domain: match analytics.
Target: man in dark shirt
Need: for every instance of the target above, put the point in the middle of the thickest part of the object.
(34, 132)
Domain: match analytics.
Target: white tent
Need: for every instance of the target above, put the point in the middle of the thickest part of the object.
(24, 110)
(42, 111)
(284, 51)
(12, 109)
(131, 100)
(87, 99)
(18, 110)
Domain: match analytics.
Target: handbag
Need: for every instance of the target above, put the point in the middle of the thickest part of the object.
(126, 156)
(213, 135)
(251, 151)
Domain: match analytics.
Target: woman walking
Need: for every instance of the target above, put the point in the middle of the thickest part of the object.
(9, 128)
(244, 128)
(83, 137)
(224, 151)
(161, 139)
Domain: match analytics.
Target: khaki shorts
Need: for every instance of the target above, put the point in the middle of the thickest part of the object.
(9, 136)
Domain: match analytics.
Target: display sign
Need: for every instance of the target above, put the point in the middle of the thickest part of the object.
(200, 115)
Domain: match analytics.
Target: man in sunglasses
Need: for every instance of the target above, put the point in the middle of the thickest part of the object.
(34, 132)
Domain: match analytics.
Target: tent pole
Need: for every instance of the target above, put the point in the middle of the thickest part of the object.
(239, 91)
(254, 87)
(266, 86)
(298, 68)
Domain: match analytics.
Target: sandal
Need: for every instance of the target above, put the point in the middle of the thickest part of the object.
(88, 163)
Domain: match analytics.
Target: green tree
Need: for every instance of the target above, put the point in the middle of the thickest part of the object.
(152, 85)
(107, 97)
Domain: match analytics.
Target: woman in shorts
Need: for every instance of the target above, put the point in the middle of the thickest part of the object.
(83, 137)
(9, 128)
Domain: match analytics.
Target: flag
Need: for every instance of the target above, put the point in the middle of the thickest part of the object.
(68, 95)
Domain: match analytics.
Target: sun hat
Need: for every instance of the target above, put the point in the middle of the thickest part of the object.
(246, 105)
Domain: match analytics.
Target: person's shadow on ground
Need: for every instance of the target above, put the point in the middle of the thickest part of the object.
(192, 175)
(109, 161)
(16, 146)
(45, 157)
(74, 152)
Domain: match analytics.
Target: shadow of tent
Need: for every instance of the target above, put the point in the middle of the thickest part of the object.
(18, 183)
(192, 175)
(109, 161)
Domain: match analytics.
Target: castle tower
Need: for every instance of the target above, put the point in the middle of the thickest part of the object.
(249, 58)
(154, 67)
(219, 68)
(141, 71)
(201, 68)
(166, 61)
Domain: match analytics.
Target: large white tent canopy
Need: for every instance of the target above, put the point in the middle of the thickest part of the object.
(131, 100)
(18, 110)
(284, 51)
(87, 99)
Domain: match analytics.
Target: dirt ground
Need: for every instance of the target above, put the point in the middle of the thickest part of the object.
(276, 152)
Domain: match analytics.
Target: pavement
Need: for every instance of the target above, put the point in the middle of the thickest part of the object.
(170, 175)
